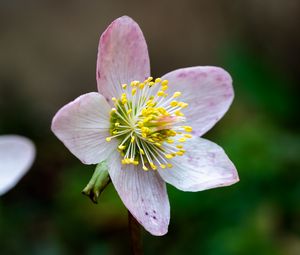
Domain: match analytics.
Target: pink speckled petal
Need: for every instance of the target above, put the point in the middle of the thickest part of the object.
(122, 57)
(16, 156)
(204, 166)
(83, 125)
(144, 194)
(208, 91)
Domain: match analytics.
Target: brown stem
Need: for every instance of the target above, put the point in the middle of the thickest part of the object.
(135, 235)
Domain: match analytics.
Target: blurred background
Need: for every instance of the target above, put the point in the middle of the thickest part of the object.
(47, 58)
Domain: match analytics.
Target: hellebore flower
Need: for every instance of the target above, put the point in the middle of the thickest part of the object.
(148, 129)
(16, 157)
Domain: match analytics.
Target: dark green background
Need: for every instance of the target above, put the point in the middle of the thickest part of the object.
(47, 58)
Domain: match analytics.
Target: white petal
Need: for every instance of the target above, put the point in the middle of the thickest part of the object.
(208, 91)
(16, 156)
(144, 194)
(204, 166)
(122, 57)
(83, 125)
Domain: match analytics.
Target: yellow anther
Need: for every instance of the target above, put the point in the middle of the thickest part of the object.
(157, 80)
(150, 103)
(117, 124)
(163, 111)
(124, 86)
(164, 88)
(142, 152)
(169, 165)
(123, 98)
(134, 83)
(172, 133)
(179, 113)
(121, 147)
(149, 79)
(140, 124)
(174, 103)
(169, 156)
(182, 104)
(182, 139)
(135, 162)
(151, 83)
(179, 146)
(108, 139)
(115, 132)
(145, 168)
(164, 82)
(129, 111)
(162, 166)
(188, 129)
(133, 92)
(188, 135)
(170, 141)
(145, 129)
(132, 139)
(179, 153)
(141, 85)
(160, 93)
(154, 167)
(113, 110)
(177, 94)
(114, 99)
(158, 144)
(123, 161)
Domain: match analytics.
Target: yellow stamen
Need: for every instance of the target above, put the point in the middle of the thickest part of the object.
(121, 147)
(164, 82)
(188, 129)
(133, 92)
(179, 113)
(174, 103)
(177, 94)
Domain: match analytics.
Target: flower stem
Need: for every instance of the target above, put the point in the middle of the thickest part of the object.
(135, 235)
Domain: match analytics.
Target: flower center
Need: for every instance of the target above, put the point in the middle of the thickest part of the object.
(149, 124)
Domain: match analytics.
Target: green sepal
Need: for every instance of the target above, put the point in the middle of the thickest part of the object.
(98, 182)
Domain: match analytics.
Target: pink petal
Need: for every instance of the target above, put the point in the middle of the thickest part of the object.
(144, 194)
(16, 157)
(208, 91)
(204, 166)
(122, 57)
(83, 125)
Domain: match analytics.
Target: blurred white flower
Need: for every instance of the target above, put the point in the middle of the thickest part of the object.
(16, 157)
